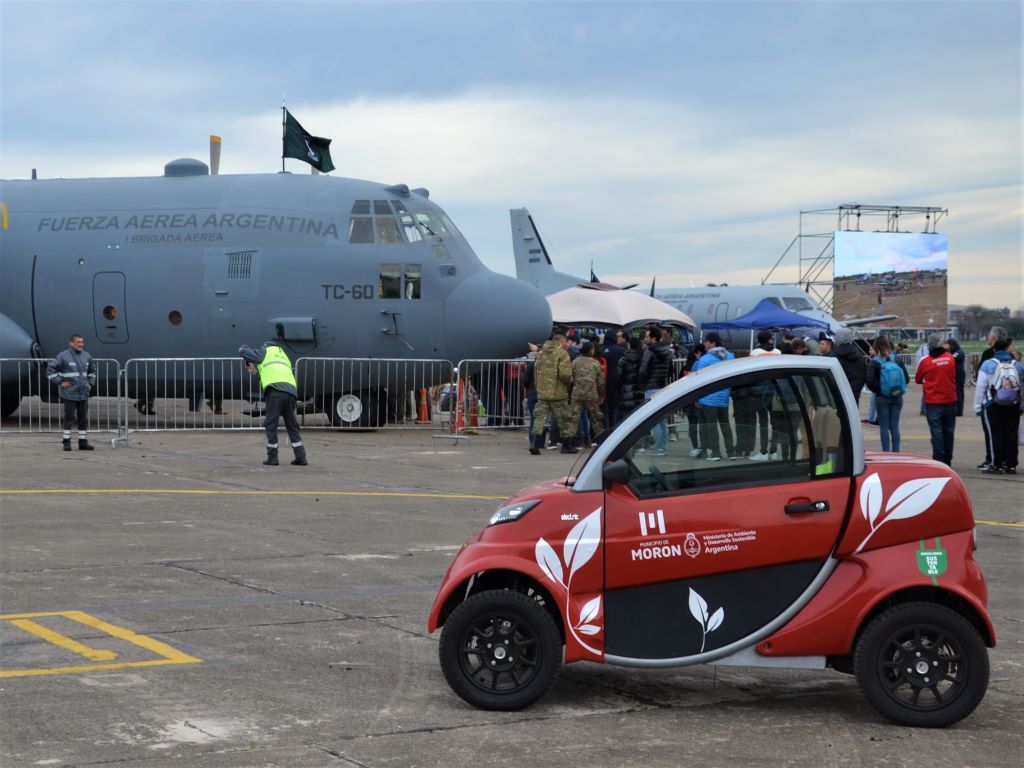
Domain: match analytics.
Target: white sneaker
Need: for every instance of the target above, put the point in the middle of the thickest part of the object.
(641, 450)
(759, 457)
(674, 437)
(696, 452)
(713, 458)
(774, 456)
(656, 452)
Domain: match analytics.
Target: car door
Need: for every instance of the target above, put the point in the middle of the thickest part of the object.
(702, 554)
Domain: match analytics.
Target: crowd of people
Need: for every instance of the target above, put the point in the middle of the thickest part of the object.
(576, 388)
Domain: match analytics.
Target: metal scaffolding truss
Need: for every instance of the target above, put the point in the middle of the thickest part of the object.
(815, 249)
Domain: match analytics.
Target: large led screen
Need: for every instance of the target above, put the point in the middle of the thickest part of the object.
(900, 274)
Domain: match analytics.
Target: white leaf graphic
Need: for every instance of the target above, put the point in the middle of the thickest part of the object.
(589, 611)
(871, 498)
(914, 497)
(589, 629)
(716, 620)
(582, 541)
(698, 608)
(548, 561)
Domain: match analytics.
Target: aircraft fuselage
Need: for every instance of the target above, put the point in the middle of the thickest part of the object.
(194, 266)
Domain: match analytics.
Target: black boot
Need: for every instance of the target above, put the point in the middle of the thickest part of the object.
(536, 443)
(271, 460)
(67, 444)
(83, 445)
(568, 447)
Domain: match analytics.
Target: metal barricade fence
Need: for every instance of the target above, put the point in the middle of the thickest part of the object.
(171, 394)
(357, 393)
(197, 393)
(31, 404)
(489, 395)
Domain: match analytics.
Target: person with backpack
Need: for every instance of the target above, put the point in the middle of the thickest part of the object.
(997, 400)
(887, 379)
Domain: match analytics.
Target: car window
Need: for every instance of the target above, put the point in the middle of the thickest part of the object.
(783, 428)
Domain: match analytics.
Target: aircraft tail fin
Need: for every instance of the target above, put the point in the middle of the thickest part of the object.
(533, 265)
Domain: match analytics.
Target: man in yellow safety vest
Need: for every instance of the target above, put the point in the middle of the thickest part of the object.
(280, 391)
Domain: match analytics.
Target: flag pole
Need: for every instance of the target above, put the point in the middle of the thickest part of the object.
(284, 125)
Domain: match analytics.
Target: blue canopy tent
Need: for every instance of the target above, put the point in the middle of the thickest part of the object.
(765, 315)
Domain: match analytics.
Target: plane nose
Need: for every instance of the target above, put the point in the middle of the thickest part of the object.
(491, 316)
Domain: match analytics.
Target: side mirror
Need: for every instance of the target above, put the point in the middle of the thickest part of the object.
(615, 472)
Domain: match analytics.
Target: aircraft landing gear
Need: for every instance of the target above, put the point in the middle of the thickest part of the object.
(9, 402)
(357, 410)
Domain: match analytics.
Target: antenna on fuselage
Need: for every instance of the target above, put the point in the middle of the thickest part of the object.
(214, 155)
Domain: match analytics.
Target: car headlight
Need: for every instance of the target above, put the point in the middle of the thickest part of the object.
(511, 512)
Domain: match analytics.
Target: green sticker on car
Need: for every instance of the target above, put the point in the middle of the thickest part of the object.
(932, 562)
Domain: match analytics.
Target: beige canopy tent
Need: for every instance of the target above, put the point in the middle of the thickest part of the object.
(593, 305)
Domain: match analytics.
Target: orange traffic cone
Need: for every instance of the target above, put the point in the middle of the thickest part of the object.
(424, 414)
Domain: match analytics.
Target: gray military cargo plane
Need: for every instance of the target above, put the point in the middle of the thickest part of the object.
(193, 265)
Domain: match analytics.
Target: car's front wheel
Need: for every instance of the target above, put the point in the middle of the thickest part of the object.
(500, 650)
(922, 664)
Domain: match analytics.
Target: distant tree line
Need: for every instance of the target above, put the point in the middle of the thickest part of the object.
(974, 320)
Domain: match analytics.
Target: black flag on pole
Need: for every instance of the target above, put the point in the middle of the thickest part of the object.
(302, 145)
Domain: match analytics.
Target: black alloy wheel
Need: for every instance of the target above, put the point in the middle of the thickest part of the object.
(922, 664)
(500, 650)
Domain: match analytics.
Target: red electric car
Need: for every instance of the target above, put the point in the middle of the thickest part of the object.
(793, 549)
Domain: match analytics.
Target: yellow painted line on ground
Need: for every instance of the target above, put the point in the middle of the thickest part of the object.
(64, 642)
(167, 654)
(203, 492)
(1002, 525)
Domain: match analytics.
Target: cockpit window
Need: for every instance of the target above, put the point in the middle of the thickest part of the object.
(413, 279)
(797, 303)
(400, 281)
(775, 301)
(390, 281)
(412, 234)
(388, 222)
(387, 232)
(360, 229)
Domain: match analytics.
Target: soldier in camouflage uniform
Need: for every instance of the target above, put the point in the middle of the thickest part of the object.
(587, 390)
(552, 372)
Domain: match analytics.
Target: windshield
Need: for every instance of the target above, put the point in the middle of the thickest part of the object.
(797, 303)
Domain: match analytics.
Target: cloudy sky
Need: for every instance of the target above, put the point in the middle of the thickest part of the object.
(677, 139)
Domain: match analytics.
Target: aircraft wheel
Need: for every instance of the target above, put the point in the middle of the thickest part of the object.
(500, 650)
(9, 402)
(346, 410)
(922, 664)
(356, 410)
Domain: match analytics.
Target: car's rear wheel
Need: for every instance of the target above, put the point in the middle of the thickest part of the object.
(500, 650)
(922, 664)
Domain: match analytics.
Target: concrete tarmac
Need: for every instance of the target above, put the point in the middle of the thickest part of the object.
(179, 604)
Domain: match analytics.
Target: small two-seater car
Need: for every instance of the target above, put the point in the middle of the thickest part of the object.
(795, 549)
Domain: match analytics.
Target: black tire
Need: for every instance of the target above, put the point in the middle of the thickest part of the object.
(500, 650)
(922, 664)
(9, 401)
(356, 410)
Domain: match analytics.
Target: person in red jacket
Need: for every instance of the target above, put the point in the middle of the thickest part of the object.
(937, 373)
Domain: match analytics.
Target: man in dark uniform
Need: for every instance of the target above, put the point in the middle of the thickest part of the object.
(74, 371)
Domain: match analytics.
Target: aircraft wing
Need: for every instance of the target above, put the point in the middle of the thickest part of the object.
(869, 320)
